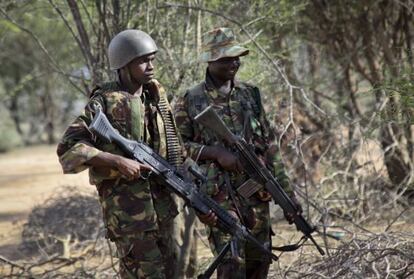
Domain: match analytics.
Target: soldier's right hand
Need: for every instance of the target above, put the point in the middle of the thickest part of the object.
(226, 159)
(129, 168)
(209, 219)
(229, 161)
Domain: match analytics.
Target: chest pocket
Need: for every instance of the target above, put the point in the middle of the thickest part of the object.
(119, 112)
(256, 126)
(251, 109)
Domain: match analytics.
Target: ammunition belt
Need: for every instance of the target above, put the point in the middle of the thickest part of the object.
(174, 152)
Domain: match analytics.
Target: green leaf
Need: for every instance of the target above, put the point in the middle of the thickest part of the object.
(8, 26)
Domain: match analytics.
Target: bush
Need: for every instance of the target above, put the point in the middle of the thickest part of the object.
(9, 138)
(68, 216)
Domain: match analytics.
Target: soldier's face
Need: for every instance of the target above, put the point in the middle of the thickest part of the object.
(142, 68)
(225, 68)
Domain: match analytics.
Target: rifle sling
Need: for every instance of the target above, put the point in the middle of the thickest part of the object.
(291, 247)
(232, 196)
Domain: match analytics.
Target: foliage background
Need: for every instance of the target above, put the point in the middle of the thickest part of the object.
(336, 79)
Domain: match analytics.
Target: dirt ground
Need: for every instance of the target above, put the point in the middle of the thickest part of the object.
(28, 176)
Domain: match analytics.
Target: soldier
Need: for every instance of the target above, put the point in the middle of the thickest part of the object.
(239, 105)
(138, 212)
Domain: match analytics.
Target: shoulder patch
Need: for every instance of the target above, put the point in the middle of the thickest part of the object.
(244, 85)
(104, 88)
(196, 90)
(252, 93)
(196, 99)
(115, 94)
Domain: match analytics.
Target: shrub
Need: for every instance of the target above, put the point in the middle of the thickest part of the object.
(9, 138)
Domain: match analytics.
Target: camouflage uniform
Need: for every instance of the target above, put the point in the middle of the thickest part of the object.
(242, 112)
(138, 214)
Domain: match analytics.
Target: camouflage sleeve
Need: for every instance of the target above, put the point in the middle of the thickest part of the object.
(77, 144)
(272, 154)
(187, 129)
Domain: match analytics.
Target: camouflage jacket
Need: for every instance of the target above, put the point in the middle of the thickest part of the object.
(232, 108)
(128, 206)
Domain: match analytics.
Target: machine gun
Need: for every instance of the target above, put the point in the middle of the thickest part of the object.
(259, 175)
(177, 183)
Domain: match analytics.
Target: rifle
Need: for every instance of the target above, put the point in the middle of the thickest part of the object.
(175, 181)
(259, 175)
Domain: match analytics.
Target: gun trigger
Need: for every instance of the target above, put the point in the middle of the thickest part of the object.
(148, 174)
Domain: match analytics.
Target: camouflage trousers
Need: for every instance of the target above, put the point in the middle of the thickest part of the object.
(149, 254)
(252, 263)
(139, 219)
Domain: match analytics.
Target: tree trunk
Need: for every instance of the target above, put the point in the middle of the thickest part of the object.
(48, 108)
(14, 113)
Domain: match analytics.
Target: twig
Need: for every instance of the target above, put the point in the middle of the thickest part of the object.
(395, 219)
(54, 64)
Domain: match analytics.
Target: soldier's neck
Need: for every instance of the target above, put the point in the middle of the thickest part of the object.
(132, 87)
(130, 84)
(223, 86)
(135, 89)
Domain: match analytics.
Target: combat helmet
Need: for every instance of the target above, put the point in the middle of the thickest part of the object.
(219, 43)
(128, 45)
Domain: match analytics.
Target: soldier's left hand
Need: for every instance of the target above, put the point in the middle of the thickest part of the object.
(291, 217)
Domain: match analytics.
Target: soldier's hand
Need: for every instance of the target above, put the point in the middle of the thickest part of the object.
(229, 161)
(222, 156)
(130, 169)
(210, 219)
(291, 217)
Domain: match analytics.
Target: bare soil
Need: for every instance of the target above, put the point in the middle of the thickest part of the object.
(28, 176)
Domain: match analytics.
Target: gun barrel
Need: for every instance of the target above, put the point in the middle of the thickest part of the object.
(209, 118)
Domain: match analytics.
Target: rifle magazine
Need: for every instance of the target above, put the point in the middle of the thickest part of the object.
(248, 188)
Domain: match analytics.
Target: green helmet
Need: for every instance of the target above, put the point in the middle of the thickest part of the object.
(128, 45)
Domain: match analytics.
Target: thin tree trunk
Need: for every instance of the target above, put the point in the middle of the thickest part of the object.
(48, 114)
(14, 113)
(84, 38)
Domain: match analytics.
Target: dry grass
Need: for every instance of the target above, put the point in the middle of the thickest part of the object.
(60, 235)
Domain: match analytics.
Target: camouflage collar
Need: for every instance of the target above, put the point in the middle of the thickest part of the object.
(122, 87)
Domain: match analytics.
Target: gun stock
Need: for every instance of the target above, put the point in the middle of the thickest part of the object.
(209, 119)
